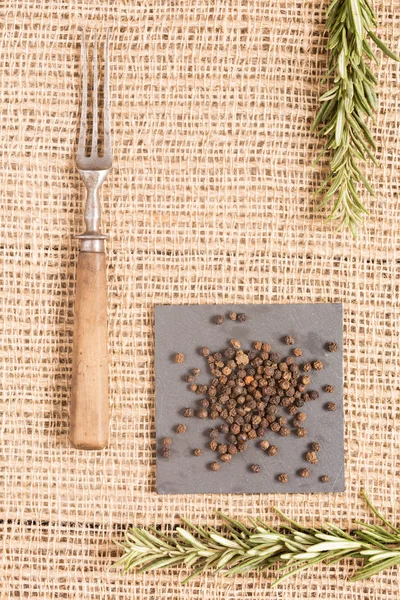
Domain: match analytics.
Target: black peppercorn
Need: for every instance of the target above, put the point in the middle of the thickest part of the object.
(289, 340)
(264, 445)
(332, 347)
(204, 351)
(233, 316)
(257, 345)
(197, 452)
(232, 449)
(255, 468)
(226, 457)
(329, 389)
(214, 466)
(181, 428)
(318, 365)
(284, 431)
(314, 395)
(179, 358)
(204, 403)
(283, 478)
(188, 412)
(214, 433)
(241, 317)
(331, 406)
(189, 378)
(325, 478)
(266, 347)
(316, 446)
(165, 452)
(272, 450)
(213, 445)
(312, 458)
(307, 367)
(301, 416)
(219, 319)
(167, 442)
(202, 414)
(222, 448)
(304, 473)
(242, 447)
(301, 432)
(224, 428)
(196, 371)
(297, 352)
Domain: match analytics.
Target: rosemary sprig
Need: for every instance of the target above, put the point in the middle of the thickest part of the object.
(291, 548)
(346, 106)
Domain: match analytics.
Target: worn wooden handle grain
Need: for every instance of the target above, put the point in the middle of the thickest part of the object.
(89, 402)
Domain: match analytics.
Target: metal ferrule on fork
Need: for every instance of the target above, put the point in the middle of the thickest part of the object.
(92, 240)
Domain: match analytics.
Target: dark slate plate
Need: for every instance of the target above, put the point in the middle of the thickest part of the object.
(185, 329)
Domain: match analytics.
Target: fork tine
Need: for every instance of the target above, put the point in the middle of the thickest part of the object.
(82, 128)
(107, 136)
(95, 98)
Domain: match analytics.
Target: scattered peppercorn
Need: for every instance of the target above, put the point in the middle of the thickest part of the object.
(241, 317)
(325, 478)
(304, 473)
(202, 414)
(272, 450)
(196, 371)
(224, 428)
(255, 468)
(167, 442)
(193, 387)
(284, 431)
(213, 445)
(222, 448)
(283, 478)
(331, 406)
(235, 344)
(307, 367)
(214, 433)
(264, 445)
(306, 379)
(289, 340)
(189, 378)
(301, 432)
(226, 457)
(329, 388)
(214, 466)
(204, 351)
(165, 452)
(314, 395)
(318, 365)
(181, 428)
(179, 358)
(232, 449)
(233, 316)
(197, 452)
(312, 458)
(301, 416)
(219, 319)
(297, 352)
(316, 446)
(188, 412)
(257, 345)
(332, 347)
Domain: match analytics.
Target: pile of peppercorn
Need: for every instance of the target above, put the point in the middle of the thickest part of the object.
(249, 391)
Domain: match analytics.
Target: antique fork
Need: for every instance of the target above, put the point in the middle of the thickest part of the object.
(89, 400)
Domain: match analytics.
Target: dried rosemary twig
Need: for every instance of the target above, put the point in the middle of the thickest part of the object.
(291, 548)
(346, 106)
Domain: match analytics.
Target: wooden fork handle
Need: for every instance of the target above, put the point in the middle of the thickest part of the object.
(89, 402)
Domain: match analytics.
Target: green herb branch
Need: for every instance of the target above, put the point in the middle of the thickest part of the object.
(346, 107)
(291, 548)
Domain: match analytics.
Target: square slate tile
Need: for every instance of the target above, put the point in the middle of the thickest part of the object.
(186, 328)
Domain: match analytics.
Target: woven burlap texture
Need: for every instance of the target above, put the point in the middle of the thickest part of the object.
(210, 200)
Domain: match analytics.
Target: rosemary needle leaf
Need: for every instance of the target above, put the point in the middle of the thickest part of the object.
(345, 107)
(241, 549)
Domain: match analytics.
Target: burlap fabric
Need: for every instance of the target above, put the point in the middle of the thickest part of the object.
(210, 200)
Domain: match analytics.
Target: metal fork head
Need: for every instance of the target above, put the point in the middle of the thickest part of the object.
(93, 161)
